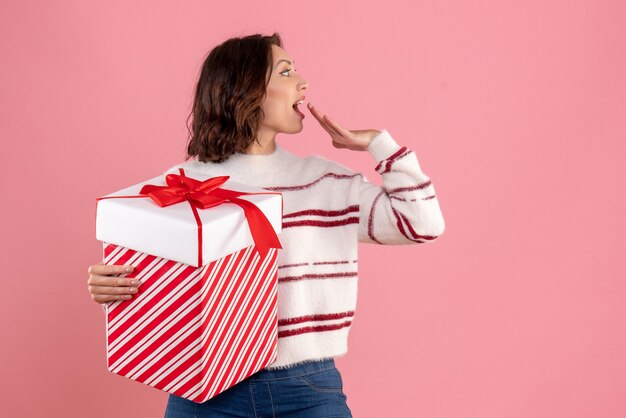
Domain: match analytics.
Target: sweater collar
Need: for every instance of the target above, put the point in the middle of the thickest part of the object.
(257, 160)
(250, 168)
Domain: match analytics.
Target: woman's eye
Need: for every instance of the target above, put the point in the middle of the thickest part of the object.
(286, 71)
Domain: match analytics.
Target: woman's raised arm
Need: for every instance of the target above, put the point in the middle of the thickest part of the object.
(405, 210)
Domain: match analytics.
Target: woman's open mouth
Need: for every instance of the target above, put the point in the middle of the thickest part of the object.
(295, 107)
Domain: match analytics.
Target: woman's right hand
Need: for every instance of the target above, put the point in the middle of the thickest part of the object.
(106, 288)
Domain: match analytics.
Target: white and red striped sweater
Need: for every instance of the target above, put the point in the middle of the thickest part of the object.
(328, 209)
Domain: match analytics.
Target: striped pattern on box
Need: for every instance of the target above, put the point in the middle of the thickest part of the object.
(194, 332)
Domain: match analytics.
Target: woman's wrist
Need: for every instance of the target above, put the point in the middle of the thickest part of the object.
(373, 133)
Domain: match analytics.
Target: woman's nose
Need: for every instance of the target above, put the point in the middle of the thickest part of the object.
(303, 84)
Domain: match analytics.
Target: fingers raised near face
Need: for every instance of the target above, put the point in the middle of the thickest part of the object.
(332, 127)
(324, 121)
(321, 119)
(338, 128)
(318, 116)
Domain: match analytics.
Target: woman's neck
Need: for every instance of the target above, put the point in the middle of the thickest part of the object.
(266, 143)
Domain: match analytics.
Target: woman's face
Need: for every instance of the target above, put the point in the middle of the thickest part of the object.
(285, 88)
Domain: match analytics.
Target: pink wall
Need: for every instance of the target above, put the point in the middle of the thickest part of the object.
(517, 111)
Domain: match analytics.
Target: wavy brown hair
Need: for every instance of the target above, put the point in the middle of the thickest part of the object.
(226, 113)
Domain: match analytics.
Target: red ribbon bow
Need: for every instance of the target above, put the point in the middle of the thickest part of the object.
(206, 194)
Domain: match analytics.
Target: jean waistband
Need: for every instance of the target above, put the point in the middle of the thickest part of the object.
(302, 369)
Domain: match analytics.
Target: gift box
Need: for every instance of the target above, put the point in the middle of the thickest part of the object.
(205, 249)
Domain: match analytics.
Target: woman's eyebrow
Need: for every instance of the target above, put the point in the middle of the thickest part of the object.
(287, 61)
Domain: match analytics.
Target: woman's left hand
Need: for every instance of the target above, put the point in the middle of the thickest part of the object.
(356, 140)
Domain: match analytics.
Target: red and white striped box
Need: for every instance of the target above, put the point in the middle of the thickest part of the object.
(190, 331)
(205, 315)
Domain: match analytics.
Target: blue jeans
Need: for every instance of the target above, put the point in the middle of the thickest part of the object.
(311, 389)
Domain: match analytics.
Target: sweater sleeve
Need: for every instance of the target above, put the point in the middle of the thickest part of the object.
(405, 210)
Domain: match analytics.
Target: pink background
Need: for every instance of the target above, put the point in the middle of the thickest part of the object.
(516, 110)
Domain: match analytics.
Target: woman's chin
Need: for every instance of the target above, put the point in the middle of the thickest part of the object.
(295, 129)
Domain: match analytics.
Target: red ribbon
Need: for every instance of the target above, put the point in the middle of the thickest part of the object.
(206, 194)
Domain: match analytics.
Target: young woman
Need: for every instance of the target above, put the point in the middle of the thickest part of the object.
(248, 92)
